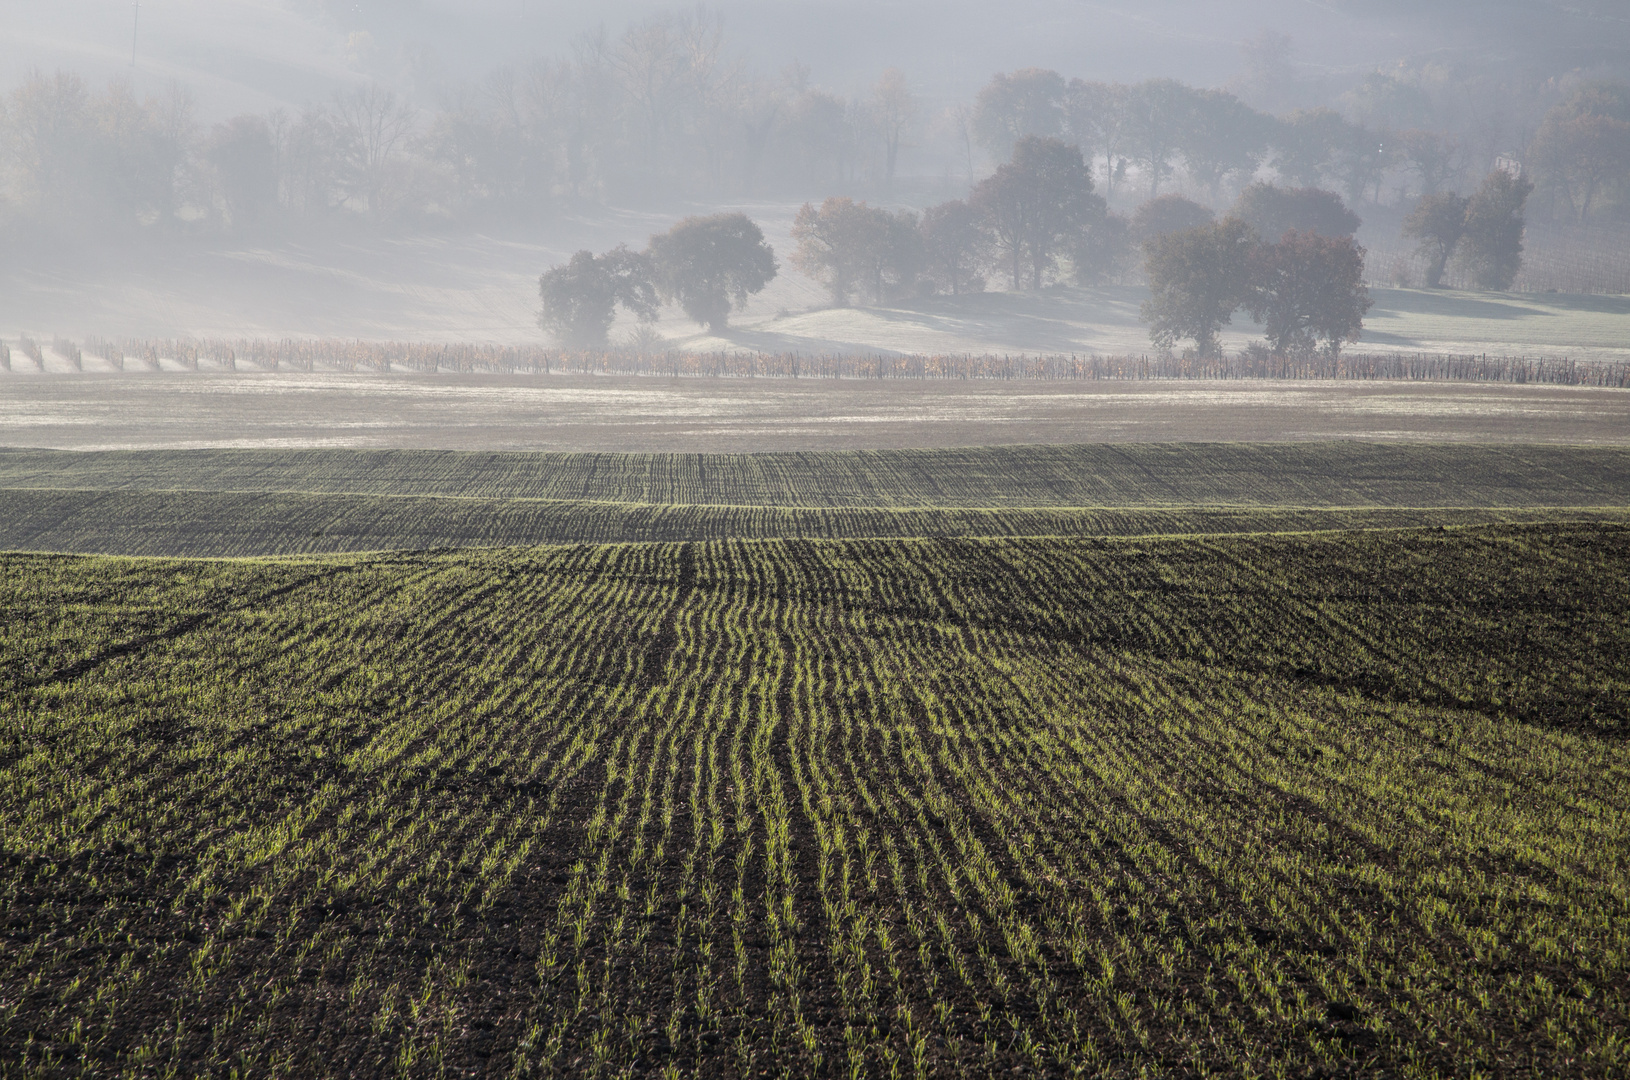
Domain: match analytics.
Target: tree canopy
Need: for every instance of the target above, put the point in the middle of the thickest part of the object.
(1308, 289)
(710, 264)
(1273, 211)
(1198, 278)
(1037, 204)
(580, 298)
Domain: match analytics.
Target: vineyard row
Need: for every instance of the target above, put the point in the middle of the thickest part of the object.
(311, 355)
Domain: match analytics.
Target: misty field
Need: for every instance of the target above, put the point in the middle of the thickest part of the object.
(1335, 804)
(497, 412)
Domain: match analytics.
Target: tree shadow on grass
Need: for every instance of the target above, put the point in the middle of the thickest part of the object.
(1454, 304)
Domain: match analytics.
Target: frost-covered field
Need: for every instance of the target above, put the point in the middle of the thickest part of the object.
(576, 412)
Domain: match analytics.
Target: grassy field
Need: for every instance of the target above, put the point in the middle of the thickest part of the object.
(1345, 804)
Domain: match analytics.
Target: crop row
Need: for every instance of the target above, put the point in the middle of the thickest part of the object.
(1306, 474)
(1347, 804)
(238, 524)
(310, 355)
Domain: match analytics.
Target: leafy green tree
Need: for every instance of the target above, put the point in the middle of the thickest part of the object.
(1438, 222)
(957, 247)
(243, 159)
(1307, 289)
(1582, 148)
(1198, 278)
(1168, 214)
(1010, 107)
(1102, 251)
(1160, 119)
(1098, 120)
(895, 109)
(1272, 211)
(1491, 250)
(580, 298)
(1307, 144)
(1038, 205)
(1223, 137)
(1435, 157)
(711, 264)
(850, 247)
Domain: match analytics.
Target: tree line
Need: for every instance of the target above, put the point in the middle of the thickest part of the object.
(1286, 255)
(666, 108)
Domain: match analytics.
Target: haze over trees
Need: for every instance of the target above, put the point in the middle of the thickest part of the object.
(1306, 290)
(580, 299)
(707, 265)
(1057, 166)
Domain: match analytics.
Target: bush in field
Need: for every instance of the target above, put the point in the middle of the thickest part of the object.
(1198, 278)
(1491, 251)
(580, 298)
(1306, 290)
(710, 264)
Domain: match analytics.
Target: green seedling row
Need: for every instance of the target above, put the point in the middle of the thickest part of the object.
(238, 524)
(1347, 804)
(1311, 474)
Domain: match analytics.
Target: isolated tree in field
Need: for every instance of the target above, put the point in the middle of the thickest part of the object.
(1038, 206)
(956, 247)
(710, 264)
(1273, 211)
(1438, 222)
(1307, 289)
(1027, 102)
(1198, 278)
(580, 298)
(1168, 214)
(1491, 250)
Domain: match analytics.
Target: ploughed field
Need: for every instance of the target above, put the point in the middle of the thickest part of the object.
(259, 502)
(1322, 803)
